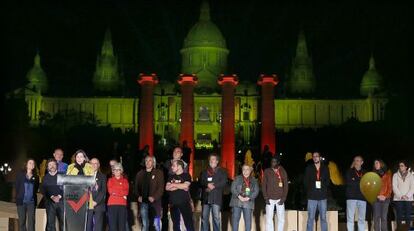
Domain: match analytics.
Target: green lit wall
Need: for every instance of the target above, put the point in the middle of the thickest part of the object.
(289, 113)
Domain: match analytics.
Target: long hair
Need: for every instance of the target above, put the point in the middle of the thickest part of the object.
(383, 166)
(34, 171)
(154, 161)
(84, 155)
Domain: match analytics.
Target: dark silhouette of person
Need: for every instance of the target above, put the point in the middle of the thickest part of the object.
(186, 152)
(141, 156)
(266, 157)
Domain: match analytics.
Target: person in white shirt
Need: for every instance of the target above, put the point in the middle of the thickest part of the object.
(403, 188)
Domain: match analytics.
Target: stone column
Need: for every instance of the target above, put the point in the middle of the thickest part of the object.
(146, 111)
(187, 83)
(268, 131)
(228, 157)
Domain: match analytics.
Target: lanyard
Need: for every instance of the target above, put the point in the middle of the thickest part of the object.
(358, 174)
(318, 174)
(246, 182)
(277, 173)
(210, 171)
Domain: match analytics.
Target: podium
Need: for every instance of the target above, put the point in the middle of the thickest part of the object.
(75, 200)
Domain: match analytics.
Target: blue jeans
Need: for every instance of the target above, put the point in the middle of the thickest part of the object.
(145, 217)
(205, 224)
(321, 205)
(351, 206)
(247, 216)
(403, 210)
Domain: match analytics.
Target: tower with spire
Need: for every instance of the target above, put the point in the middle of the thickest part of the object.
(36, 77)
(106, 77)
(204, 52)
(372, 81)
(301, 80)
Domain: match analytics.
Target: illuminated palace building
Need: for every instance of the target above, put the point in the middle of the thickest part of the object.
(204, 107)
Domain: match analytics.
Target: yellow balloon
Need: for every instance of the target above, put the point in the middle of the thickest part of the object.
(370, 186)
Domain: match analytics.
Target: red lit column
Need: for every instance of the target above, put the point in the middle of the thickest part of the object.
(187, 83)
(228, 158)
(268, 135)
(146, 111)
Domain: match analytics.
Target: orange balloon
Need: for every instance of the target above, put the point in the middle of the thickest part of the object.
(370, 186)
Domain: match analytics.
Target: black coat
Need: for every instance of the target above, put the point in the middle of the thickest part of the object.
(310, 186)
(220, 181)
(353, 190)
(50, 187)
(99, 195)
(19, 185)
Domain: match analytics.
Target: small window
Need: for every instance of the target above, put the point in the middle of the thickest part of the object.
(246, 116)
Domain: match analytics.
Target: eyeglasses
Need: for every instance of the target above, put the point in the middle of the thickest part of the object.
(117, 169)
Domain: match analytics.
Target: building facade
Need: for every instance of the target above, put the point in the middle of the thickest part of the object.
(204, 55)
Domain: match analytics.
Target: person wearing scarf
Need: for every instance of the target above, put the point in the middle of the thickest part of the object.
(380, 207)
(275, 188)
(213, 180)
(244, 190)
(403, 189)
(355, 201)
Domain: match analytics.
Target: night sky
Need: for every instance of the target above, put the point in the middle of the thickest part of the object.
(261, 36)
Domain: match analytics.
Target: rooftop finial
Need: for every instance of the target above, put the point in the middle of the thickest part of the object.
(205, 11)
(37, 59)
(372, 62)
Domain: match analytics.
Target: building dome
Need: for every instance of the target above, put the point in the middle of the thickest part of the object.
(204, 52)
(372, 81)
(204, 33)
(37, 77)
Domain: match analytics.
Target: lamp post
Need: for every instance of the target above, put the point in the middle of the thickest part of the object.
(5, 168)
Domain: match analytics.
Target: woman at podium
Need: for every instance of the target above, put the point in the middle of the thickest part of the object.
(81, 165)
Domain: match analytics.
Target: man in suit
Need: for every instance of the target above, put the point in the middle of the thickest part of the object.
(96, 209)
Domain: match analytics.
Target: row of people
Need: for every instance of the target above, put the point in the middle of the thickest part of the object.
(398, 187)
(151, 184)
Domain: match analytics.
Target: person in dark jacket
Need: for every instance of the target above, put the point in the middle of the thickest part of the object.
(27, 184)
(149, 187)
(266, 157)
(316, 180)
(244, 190)
(96, 212)
(275, 188)
(53, 194)
(354, 198)
(212, 180)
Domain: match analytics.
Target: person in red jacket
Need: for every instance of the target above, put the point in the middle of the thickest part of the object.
(380, 207)
(118, 189)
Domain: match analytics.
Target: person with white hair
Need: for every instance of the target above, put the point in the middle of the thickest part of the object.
(118, 188)
(149, 188)
(244, 190)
